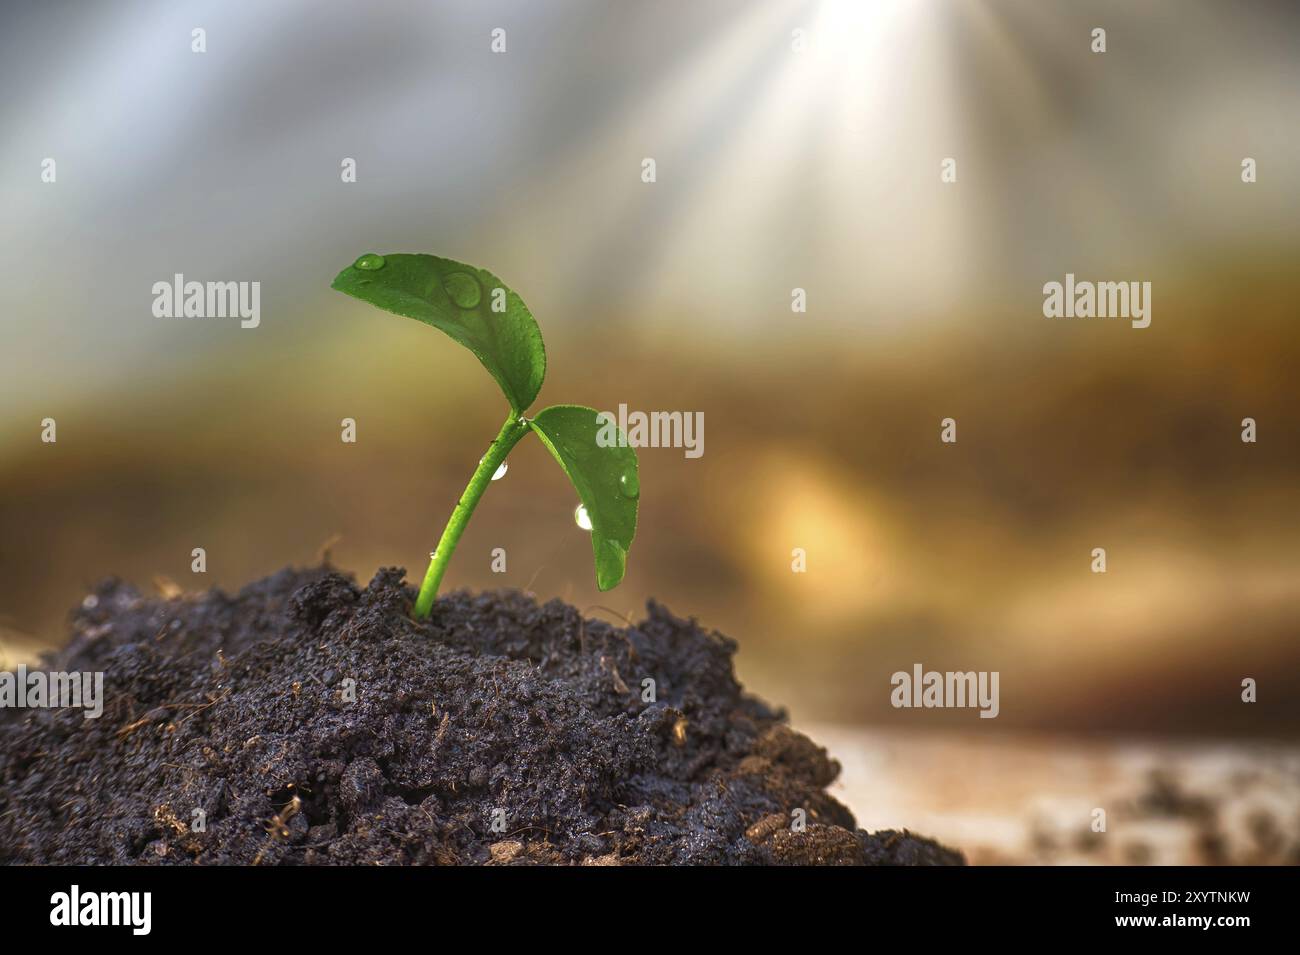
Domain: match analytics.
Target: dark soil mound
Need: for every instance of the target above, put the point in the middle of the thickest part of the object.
(313, 722)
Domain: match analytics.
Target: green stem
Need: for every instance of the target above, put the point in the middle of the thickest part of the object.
(507, 438)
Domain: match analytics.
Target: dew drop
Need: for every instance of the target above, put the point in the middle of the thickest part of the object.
(582, 518)
(370, 262)
(463, 289)
(630, 484)
(500, 472)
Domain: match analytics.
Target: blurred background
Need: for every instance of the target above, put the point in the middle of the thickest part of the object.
(816, 168)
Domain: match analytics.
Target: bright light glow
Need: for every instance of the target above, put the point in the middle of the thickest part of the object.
(846, 29)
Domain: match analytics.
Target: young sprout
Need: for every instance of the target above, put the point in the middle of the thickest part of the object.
(475, 308)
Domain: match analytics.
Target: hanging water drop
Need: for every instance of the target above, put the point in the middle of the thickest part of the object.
(370, 262)
(582, 518)
(500, 472)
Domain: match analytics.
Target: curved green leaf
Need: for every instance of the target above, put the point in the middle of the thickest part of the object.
(595, 455)
(465, 303)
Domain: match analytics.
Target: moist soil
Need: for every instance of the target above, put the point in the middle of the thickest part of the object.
(313, 722)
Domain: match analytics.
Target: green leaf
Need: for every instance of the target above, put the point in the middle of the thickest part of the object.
(603, 469)
(458, 299)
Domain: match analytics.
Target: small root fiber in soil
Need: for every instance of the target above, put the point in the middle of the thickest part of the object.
(308, 721)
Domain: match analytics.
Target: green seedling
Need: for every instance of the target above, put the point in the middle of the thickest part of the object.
(476, 308)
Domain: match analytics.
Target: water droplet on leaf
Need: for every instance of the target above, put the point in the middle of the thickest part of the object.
(630, 484)
(582, 518)
(463, 289)
(370, 262)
